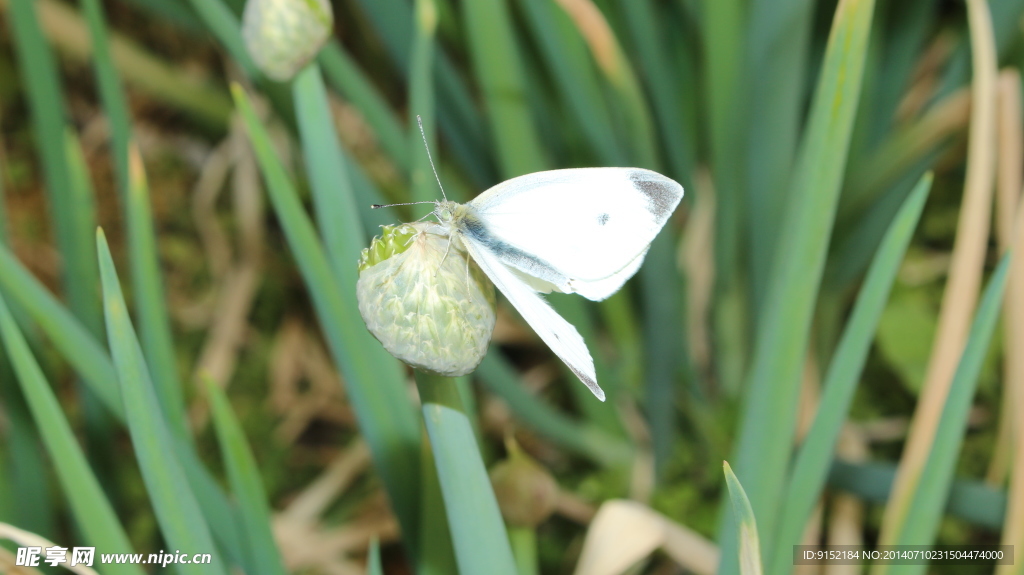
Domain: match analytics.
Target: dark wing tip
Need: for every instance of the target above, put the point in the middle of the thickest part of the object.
(663, 193)
(589, 382)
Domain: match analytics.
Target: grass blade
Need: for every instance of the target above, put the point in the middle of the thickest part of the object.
(750, 549)
(783, 330)
(91, 361)
(777, 56)
(150, 303)
(810, 469)
(246, 485)
(374, 379)
(93, 513)
(478, 531)
(176, 508)
(932, 491)
(64, 330)
(723, 30)
(69, 210)
(373, 566)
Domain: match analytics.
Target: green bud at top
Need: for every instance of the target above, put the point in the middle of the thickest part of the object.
(425, 300)
(282, 36)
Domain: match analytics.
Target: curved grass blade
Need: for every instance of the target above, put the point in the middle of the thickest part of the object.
(810, 469)
(63, 329)
(93, 513)
(929, 498)
(750, 548)
(69, 210)
(177, 511)
(783, 331)
(150, 303)
(91, 361)
(246, 485)
(374, 379)
(478, 531)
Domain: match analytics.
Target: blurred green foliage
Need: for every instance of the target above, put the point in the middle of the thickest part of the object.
(253, 404)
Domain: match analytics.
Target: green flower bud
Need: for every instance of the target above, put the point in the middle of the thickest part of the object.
(425, 300)
(282, 36)
(526, 492)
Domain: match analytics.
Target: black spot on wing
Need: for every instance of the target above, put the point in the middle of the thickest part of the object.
(662, 193)
(603, 219)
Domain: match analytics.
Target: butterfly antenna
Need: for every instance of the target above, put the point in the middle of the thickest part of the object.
(419, 121)
(377, 206)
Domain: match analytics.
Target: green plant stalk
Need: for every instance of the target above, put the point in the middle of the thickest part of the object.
(115, 105)
(929, 498)
(665, 344)
(777, 54)
(374, 379)
(98, 426)
(92, 512)
(974, 501)
(373, 564)
(810, 469)
(497, 66)
(333, 195)
(478, 532)
(150, 302)
(177, 511)
(344, 74)
(662, 79)
(524, 547)
(436, 553)
(723, 36)
(223, 24)
(246, 485)
(421, 104)
(69, 211)
(763, 452)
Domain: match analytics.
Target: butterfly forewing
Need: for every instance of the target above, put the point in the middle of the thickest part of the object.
(586, 224)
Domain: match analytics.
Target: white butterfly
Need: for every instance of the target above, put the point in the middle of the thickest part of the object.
(582, 231)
